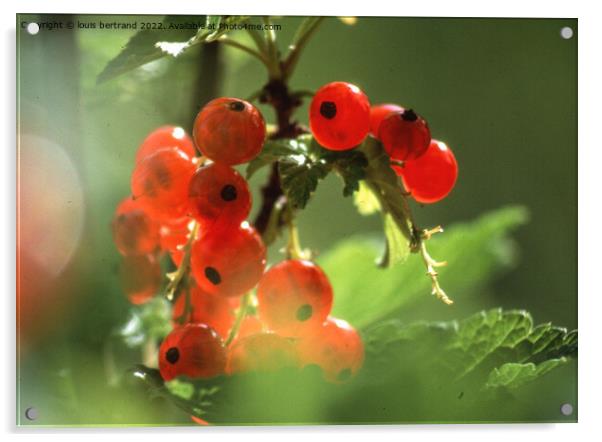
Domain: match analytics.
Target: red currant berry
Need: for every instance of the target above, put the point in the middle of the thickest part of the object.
(294, 297)
(229, 131)
(431, 177)
(160, 183)
(219, 196)
(193, 350)
(141, 277)
(165, 137)
(174, 235)
(336, 347)
(262, 352)
(405, 135)
(212, 310)
(228, 262)
(134, 232)
(339, 116)
(378, 113)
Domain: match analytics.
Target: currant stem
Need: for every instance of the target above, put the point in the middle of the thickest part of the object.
(431, 264)
(240, 315)
(177, 276)
(293, 247)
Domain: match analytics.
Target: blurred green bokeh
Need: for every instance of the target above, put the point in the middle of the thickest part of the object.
(501, 92)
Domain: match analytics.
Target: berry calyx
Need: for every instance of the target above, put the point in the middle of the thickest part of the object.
(378, 113)
(294, 297)
(431, 177)
(405, 135)
(263, 352)
(166, 137)
(228, 262)
(160, 183)
(339, 116)
(134, 232)
(140, 277)
(219, 196)
(193, 350)
(229, 131)
(212, 310)
(336, 348)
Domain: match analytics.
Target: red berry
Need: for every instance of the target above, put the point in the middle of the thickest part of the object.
(141, 278)
(294, 297)
(219, 196)
(339, 116)
(160, 183)
(378, 113)
(229, 131)
(193, 350)
(431, 177)
(174, 235)
(134, 232)
(228, 262)
(335, 347)
(165, 137)
(212, 310)
(263, 352)
(405, 135)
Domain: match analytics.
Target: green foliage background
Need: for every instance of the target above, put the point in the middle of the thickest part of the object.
(501, 93)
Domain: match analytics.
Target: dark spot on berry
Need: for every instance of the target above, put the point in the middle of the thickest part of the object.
(328, 109)
(172, 355)
(344, 374)
(163, 176)
(304, 312)
(409, 115)
(237, 106)
(228, 192)
(212, 275)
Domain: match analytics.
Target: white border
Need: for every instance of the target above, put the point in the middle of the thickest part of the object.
(589, 201)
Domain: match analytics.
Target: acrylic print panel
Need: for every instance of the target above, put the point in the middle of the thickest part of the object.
(221, 224)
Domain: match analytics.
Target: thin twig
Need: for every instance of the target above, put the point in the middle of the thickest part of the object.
(242, 312)
(177, 276)
(236, 44)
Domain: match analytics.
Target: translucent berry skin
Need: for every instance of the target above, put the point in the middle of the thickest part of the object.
(405, 135)
(336, 347)
(229, 131)
(228, 262)
(193, 350)
(166, 137)
(339, 116)
(251, 325)
(173, 235)
(134, 232)
(431, 177)
(141, 278)
(160, 183)
(214, 311)
(378, 113)
(219, 196)
(263, 352)
(294, 297)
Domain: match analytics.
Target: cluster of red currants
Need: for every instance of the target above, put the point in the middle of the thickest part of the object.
(341, 117)
(183, 204)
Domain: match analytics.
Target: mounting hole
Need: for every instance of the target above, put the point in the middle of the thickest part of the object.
(566, 33)
(31, 413)
(566, 409)
(33, 28)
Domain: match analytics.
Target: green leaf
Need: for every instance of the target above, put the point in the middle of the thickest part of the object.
(176, 35)
(475, 251)
(302, 163)
(484, 350)
(364, 199)
(382, 184)
(512, 375)
(151, 320)
(397, 245)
